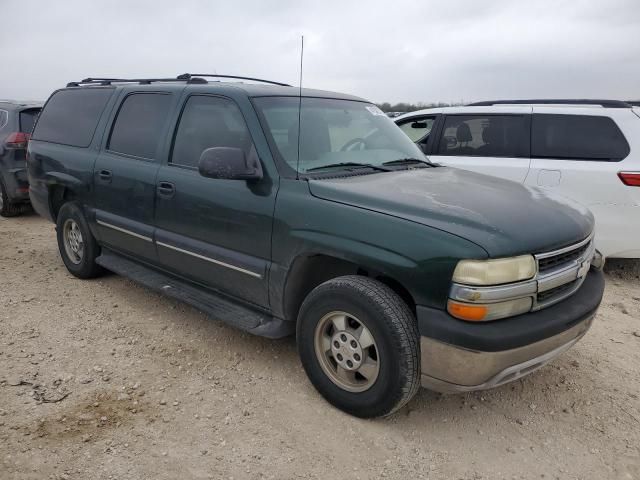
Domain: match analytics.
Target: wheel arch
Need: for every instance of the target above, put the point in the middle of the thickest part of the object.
(62, 188)
(312, 269)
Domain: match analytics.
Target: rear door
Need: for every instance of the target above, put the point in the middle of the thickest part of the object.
(125, 172)
(215, 232)
(491, 143)
(578, 154)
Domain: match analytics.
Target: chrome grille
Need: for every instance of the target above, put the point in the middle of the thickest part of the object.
(550, 263)
(559, 272)
(542, 297)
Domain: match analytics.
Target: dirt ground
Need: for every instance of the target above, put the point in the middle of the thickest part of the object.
(104, 379)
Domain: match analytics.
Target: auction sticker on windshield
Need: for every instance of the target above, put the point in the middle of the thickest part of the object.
(375, 110)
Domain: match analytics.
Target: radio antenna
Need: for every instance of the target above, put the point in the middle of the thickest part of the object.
(300, 105)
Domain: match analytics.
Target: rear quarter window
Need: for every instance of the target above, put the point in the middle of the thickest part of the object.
(28, 119)
(70, 117)
(4, 118)
(577, 137)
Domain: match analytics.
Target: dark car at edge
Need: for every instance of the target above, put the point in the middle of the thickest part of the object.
(16, 122)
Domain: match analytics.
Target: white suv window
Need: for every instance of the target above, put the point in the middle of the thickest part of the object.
(485, 136)
(417, 128)
(580, 137)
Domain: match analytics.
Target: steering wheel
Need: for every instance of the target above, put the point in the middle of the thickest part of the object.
(351, 143)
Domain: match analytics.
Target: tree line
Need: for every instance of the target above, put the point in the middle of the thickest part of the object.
(410, 107)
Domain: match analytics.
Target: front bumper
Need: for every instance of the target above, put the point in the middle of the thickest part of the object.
(460, 356)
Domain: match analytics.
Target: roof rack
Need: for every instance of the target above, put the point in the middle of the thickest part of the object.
(634, 103)
(551, 101)
(185, 77)
(142, 81)
(188, 76)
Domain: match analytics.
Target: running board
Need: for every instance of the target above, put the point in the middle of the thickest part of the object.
(212, 304)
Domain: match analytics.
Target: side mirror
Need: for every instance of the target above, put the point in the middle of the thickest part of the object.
(229, 164)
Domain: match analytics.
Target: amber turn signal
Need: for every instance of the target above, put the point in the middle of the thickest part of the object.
(464, 311)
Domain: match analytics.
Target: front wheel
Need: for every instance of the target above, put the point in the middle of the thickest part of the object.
(359, 344)
(78, 248)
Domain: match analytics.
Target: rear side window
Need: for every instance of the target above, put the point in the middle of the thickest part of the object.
(485, 136)
(4, 118)
(138, 126)
(208, 122)
(70, 117)
(580, 137)
(28, 119)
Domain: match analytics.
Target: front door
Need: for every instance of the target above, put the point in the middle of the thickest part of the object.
(493, 144)
(214, 232)
(125, 174)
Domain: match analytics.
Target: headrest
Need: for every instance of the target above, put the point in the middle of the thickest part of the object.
(463, 133)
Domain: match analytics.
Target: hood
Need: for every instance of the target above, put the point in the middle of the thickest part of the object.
(504, 217)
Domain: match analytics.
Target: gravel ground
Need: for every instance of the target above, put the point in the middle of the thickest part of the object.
(104, 379)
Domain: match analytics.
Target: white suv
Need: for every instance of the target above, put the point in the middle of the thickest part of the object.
(588, 150)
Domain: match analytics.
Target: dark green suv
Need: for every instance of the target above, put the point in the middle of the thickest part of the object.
(314, 214)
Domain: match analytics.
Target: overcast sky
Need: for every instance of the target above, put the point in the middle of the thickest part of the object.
(383, 50)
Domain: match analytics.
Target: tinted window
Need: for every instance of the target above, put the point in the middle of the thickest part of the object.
(4, 117)
(70, 117)
(208, 122)
(28, 119)
(582, 137)
(139, 123)
(417, 128)
(485, 136)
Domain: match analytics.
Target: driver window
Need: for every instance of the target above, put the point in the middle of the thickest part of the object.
(208, 122)
(417, 128)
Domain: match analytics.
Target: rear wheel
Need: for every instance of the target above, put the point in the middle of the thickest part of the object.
(7, 207)
(359, 344)
(78, 248)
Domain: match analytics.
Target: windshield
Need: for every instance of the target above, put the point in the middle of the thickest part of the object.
(333, 132)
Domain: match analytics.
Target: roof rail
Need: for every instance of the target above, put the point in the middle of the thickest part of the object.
(551, 101)
(634, 103)
(185, 77)
(143, 81)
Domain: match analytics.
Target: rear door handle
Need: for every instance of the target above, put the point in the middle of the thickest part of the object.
(105, 175)
(166, 189)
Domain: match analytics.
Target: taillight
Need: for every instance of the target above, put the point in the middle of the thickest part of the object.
(631, 179)
(17, 140)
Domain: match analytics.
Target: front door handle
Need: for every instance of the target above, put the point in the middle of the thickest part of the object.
(105, 175)
(166, 189)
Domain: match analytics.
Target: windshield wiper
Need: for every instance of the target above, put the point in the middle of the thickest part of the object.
(409, 160)
(350, 164)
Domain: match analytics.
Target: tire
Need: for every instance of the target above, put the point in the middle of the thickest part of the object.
(78, 253)
(371, 305)
(7, 207)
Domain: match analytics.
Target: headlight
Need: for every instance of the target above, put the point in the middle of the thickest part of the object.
(495, 272)
(488, 311)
